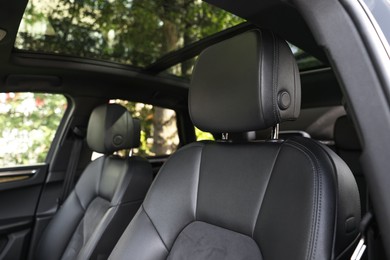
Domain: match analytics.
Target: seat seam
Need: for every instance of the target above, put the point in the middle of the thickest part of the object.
(274, 76)
(78, 224)
(197, 193)
(316, 214)
(158, 233)
(124, 182)
(100, 175)
(81, 219)
(78, 199)
(265, 192)
(333, 163)
(98, 232)
(233, 231)
(197, 190)
(178, 234)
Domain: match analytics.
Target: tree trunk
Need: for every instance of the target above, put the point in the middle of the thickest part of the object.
(165, 138)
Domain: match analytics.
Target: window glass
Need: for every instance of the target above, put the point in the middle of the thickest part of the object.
(125, 31)
(381, 11)
(304, 60)
(200, 135)
(159, 134)
(28, 123)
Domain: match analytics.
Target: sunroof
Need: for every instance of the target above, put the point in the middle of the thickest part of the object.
(133, 32)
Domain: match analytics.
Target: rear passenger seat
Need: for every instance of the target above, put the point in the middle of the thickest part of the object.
(348, 147)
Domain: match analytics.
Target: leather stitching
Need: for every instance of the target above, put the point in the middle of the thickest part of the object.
(197, 191)
(101, 173)
(333, 160)
(295, 74)
(316, 213)
(78, 199)
(158, 233)
(178, 234)
(201, 145)
(266, 188)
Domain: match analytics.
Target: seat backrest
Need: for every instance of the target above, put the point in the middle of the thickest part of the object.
(279, 199)
(107, 195)
(348, 147)
(347, 144)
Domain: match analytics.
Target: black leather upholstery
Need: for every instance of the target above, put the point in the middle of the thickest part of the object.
(285, 199)
(104, 200)
(258, 79)
(345, 135)
(348, 147)
(111, 128)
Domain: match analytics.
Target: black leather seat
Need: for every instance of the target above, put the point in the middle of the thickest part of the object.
(348, 147)
(107, 195)
(291, 199)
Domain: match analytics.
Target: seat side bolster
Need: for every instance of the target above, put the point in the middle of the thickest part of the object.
(88, 249)
(60, 230)
(299, 201)
(140, 240)
(178, 176)
(87, 186)
(128, 193)
(134, 183)
(348, 203)
(338, 177)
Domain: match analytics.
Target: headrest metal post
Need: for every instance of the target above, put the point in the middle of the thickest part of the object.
(275, 132)
(225, 136)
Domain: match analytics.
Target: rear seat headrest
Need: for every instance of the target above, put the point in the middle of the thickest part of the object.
(246, 83)
(345, 136)
(111, 128)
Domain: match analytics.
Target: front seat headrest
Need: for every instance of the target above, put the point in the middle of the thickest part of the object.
(249, 82)
(111, 128)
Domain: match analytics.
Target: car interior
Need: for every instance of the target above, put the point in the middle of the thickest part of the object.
(193, 130)
(107, 195)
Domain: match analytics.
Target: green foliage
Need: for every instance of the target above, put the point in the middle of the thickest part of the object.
(136, 32)
(200, 135)
(28, 123)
